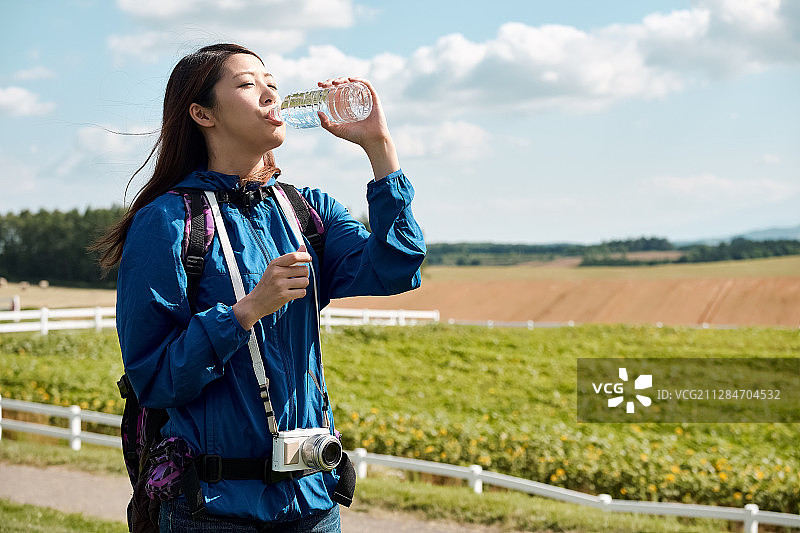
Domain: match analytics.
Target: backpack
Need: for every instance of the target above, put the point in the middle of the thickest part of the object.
(141, 426)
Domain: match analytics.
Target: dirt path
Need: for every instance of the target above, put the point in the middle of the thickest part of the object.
(105, 496)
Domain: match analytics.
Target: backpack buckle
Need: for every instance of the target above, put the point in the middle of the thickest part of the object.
(124, 386)
(194, 265)
(212, 468)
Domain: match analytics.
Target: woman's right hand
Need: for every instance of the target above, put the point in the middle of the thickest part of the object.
(284, 280)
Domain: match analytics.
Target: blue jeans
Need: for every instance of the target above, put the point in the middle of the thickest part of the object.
(175, 518)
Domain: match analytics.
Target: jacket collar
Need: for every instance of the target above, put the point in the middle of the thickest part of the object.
(209, 180)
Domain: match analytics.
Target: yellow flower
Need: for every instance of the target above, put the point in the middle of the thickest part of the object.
(623, 491)
(429, 449)
(760, 474)
(670, 477)
(737, 495)
(675, 469)
(723, 476)
(679, 430)
(354, 416)
(690, 452)
(652, 488)
(553, 477)
(560, 472)
(643, 457)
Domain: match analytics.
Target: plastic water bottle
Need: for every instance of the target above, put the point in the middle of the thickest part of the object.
(348, 102)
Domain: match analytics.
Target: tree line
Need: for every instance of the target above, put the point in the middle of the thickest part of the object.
(737, 249)
(52, 246)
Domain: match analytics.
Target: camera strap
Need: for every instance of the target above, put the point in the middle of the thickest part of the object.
(238, 290)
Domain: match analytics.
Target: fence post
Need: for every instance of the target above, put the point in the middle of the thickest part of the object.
(475, 481)
(605, 500)
(360, 462)
(98, 319)
(16, 306)
(75, 427)
(750, 520)
(44, 317)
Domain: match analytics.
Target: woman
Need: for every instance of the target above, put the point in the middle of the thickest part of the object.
(218, 134)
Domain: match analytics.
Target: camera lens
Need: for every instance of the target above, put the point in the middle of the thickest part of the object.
(322, 452)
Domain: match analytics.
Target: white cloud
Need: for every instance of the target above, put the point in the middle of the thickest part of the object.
(19, 102)
(147, 47)
(34, 73)
(266, 26)
(453, 140)
(522, 68)
(271, 14)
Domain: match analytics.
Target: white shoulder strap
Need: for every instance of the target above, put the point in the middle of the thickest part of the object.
(238, 290)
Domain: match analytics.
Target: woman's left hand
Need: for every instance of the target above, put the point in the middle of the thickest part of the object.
(372, 133)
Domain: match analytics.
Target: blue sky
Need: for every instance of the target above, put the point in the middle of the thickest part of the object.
(517, 121)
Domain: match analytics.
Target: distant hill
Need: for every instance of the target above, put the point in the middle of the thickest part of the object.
(769, 234)
(773, 234)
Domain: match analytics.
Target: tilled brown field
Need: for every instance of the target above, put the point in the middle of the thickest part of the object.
(675, 294)
(758, 292)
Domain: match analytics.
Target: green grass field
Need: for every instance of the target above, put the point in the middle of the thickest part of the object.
(501, 398)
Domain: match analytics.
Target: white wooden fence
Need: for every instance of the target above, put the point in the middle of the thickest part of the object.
(44, 320)
(475, 476)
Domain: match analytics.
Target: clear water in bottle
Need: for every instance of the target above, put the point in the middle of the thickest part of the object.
(348, 102)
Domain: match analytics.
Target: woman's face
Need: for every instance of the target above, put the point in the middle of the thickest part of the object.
(245, 94)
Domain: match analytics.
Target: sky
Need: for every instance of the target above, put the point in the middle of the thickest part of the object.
(527, 121)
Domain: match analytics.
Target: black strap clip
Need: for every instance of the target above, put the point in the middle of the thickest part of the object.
(194, 265)
(212, 468)
(124, 386)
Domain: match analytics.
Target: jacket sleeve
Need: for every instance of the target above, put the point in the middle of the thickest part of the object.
(169, 354)
(384, 262)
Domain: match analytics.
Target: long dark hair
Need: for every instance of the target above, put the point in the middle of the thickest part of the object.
(181, 147)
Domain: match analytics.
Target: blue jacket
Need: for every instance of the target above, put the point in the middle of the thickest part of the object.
(198, 366)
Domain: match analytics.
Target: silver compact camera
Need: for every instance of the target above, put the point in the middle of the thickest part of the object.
(305, 449)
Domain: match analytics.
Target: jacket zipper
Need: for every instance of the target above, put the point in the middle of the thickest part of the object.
(286, 363)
